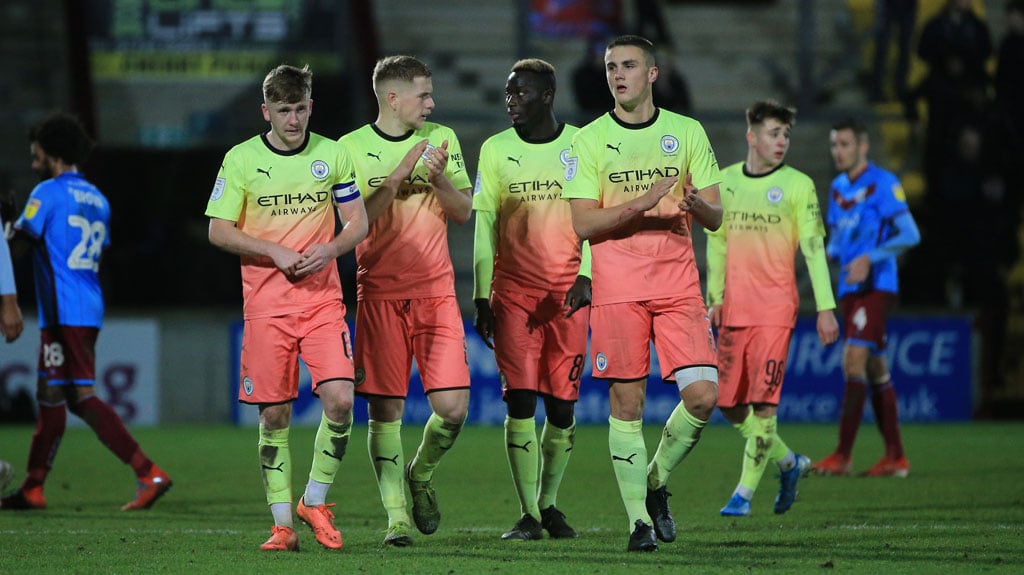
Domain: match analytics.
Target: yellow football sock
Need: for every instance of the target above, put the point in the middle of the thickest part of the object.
(329, 448)
(276, 465)
(384, 442)
(779, 450)
(523, 460)
(756, 450)
(556, 447)
(629, 460)
(438, 437)
(682, 432)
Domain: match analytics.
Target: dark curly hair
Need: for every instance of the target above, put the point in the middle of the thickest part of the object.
(62, 136)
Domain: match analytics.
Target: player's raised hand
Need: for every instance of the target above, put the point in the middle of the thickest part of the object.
(659, 189)
(690, 196)
(648, 200)
(436, 159)
(404, 168)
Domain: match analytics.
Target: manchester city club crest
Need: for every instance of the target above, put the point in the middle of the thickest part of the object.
(320, 169)
(775, 195)
(669, 144)
(601, 362)
(247, 385)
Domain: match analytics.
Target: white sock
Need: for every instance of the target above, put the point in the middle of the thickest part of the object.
(787, 462)
(316, 493)
(282, 513)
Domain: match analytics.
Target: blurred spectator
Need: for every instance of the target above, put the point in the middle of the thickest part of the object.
(671, 91)
(575, 18)
(970, 199)
(976, 232)
(1009, 85)
(1009, 80)
(649, 22)
(955, 44)
(589, 83)
(1012, 366)
(890, 14)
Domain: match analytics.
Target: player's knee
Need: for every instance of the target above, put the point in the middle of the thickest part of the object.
(522, 404)
(700, 398)
(559, 412)
(878, 372)
(275, 416)
(339, 402)
(339, 412)
(50, 394)
(735, 414)
(628, 411)
(450, 405)
(856, 375)
(701, 409)
(453, 415)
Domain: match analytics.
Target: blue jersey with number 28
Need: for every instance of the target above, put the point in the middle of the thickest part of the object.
(70, 219)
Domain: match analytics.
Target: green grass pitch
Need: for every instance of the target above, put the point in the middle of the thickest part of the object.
(959, 511)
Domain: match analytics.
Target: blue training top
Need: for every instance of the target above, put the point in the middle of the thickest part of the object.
(70, 220)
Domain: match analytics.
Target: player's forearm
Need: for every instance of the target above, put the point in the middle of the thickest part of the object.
(350, 236)
(817, 268)
(585, 261)
(709, 216)
(9, 306)
(589, 220)
(708, 213)
(225, 235)
(715, 250)
(7, 285)
(457, 204)
(379, 201)
(11, 322)
(831, 252)
(907, 236)
(353, 230)
(485, 243)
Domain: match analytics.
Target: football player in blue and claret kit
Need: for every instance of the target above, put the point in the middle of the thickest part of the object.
(67, 220)
(869, 226)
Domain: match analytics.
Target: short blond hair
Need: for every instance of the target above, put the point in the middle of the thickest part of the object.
(400, 67)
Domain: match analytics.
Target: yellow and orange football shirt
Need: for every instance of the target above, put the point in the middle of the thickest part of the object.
(521, 182)
(405, 255)
(651, 256)
(752, 257)
(287, 198)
